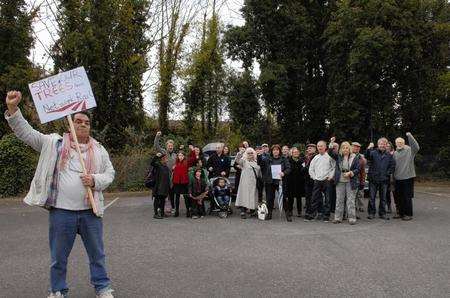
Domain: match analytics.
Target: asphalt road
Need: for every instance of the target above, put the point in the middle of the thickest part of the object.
(212, 257)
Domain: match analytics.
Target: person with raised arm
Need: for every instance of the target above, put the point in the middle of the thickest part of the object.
(59, 185)
(321, 170)
(171, 155)
(404, 174)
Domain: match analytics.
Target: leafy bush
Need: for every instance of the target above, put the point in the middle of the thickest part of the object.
(130, 169)
(443, 161)
(17, 165)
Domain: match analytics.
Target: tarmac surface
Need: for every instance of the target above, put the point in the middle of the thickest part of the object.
(232, 257)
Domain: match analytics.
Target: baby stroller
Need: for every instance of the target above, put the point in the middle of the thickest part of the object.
(218, 206)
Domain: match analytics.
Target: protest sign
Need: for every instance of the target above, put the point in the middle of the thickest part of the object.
(63, 94)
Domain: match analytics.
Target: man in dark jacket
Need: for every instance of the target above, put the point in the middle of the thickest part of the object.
(271, 183)
(382, 166)
(218, 164)
(311, 151)
(162, 184)
(356, 148)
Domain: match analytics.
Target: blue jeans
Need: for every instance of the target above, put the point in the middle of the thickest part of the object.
(381, 188)
(63, 229)
(223, 200)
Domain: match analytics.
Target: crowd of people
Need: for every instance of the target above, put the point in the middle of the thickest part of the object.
(331, 177)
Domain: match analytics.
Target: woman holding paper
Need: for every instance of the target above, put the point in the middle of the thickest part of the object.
(247, 196)
(273, 167)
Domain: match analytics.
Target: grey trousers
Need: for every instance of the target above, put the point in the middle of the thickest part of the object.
(344, 190)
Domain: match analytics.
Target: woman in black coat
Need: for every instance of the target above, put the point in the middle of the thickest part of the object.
(162, 184)
(295, 184)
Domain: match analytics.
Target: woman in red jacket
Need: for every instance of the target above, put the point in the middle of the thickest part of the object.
(180, 181)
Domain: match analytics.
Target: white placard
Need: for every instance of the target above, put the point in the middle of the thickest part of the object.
(276, 170)
(63, 94)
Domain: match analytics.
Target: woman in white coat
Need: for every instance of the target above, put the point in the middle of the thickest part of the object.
(247, 196)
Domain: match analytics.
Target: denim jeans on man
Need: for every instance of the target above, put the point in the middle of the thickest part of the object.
(64, 227)
(381, 188)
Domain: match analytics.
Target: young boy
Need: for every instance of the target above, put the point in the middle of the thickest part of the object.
(222, 193)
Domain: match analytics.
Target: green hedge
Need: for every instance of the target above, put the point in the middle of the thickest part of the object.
(130, 171)
(17, 165)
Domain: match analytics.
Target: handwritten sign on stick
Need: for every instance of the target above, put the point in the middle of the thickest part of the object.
(63, 94)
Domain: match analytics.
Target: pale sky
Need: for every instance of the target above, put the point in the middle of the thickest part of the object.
(45, 30)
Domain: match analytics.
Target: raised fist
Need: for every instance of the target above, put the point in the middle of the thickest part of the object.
(13, 99)
(332, 140)
(159, 133)
(371, 145)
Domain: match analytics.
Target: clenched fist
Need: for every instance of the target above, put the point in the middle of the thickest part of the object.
(13, 99)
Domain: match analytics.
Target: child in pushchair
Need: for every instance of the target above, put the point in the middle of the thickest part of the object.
(221, 195)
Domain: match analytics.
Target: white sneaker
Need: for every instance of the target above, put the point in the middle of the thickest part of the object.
(105, 294)
(54, 295)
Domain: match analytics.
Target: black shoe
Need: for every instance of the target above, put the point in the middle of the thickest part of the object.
(308, 218)
(320, 217)
(177, 213)
(326, 219)
(385, 217)
(243, 215)
(188, 213)
(269, 216)
(370, 216)
(158, 215)
(407, 218)
(288, 216)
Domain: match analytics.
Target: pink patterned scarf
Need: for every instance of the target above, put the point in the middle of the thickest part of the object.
(69, 143)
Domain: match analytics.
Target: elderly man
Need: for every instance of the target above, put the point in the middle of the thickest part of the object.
(286, 151)
(356, 148)
(309, 182)
(218, 164)
(321, 170)
(60, 186)
(265, 149)
(171, 156)
(404, 174)
(382, 166)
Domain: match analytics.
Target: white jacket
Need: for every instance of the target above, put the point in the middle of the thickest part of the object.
(322, 167)
(46, 145)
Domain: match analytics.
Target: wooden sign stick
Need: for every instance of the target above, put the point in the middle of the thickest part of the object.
(77, 145)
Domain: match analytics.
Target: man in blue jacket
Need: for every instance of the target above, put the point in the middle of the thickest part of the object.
(382, 166)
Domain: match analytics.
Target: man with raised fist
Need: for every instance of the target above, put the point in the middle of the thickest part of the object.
(59, 185)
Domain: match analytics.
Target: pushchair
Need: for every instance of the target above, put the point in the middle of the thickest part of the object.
(222, 209)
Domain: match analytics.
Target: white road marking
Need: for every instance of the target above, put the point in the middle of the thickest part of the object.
(112, 202)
